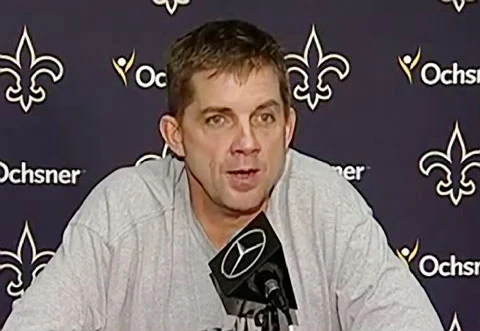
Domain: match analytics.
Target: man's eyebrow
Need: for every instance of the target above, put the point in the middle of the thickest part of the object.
(214, 109)
(218, 109)
(267, 104)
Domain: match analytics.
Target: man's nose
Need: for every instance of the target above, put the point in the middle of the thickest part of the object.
(245, 141)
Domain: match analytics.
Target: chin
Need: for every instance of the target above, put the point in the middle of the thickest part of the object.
(244, 205)
(244, 210)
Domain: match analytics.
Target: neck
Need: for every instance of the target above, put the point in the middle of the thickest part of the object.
(218, 223)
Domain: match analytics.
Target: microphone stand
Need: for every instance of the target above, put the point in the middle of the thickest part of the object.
(267, 318)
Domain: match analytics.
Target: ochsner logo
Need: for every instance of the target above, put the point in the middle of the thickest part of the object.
(433, 73)
(146, 76)
(351, 172)
(28, 175)
(430, 265)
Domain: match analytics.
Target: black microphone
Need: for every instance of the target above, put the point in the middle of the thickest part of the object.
(250, 271)
(267, 282)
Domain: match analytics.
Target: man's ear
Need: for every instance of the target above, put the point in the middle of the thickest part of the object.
(290, 126)
(172, 134)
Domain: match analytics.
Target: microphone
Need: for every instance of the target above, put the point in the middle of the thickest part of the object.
(250, 271)
(266, 281)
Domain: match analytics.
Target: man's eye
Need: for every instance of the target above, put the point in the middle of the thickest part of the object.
(215, 120)
(267, 117)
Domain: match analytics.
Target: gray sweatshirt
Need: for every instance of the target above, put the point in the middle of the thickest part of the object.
(133, 257)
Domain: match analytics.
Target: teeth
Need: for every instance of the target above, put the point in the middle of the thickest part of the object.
(242, 172)
(242, 175)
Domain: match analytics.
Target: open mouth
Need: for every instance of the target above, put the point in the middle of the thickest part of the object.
(243, 173)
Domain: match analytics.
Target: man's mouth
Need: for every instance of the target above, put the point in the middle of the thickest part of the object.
(243, 173)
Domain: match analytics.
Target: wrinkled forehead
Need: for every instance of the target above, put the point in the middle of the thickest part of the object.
(238, 90)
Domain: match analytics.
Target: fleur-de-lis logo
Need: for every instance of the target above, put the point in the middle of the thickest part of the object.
(408, 63)
(455, 325)
(444, 161)
(26, 263)
(458, 4)
(148, 157)
(122, 66)
(35, 65)
(313, 66)
(171, 5)
(406, 254)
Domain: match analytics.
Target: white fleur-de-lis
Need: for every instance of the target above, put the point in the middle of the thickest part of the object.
(37, 65)
(15, 262)
(455, 326)
(325, 63)
(148, 157)
(458, 4)
(171, 5)
(438, 159)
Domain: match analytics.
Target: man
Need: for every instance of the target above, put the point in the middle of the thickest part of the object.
(135, 255)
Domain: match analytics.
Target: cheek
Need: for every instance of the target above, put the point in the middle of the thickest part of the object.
(272, 140)
(205, 163)
(275, 153)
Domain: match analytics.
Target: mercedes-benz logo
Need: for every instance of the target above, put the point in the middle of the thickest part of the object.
(243, 253)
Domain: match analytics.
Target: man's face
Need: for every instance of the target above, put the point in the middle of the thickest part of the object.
(235, 137)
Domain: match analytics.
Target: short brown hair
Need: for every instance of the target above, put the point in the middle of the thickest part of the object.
(226, 46)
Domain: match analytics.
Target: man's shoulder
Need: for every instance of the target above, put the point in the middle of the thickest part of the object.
(321, 181)
(158, 177)
(130, 194)
(314, 172)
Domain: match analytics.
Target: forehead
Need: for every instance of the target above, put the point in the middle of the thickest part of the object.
(235, 88)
